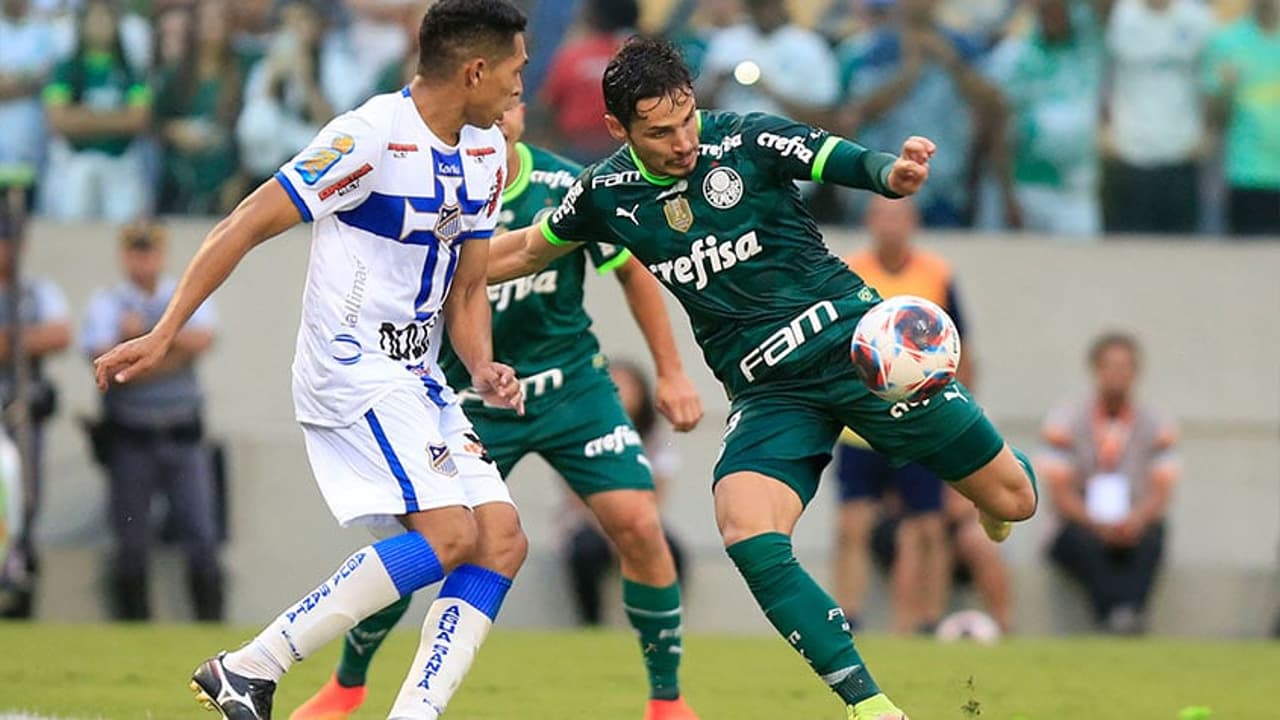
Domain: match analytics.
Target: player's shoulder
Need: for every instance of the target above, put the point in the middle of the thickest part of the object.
(375, 116)
(473, 136)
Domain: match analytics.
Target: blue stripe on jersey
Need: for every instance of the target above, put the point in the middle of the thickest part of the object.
(384, 215)
(285, 182)
(434, 391)
(448, 273)
(393, 462)
(424, 289)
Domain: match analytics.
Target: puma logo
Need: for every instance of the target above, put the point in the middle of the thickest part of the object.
(629, 214)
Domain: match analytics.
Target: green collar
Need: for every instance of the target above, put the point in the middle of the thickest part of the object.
(521, 182)
(662, 180)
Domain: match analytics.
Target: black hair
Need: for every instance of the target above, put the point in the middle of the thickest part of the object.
(613, 15)
(78, 77)
(454, 31)
(646, 416)
(1114, 339)
(645, 67)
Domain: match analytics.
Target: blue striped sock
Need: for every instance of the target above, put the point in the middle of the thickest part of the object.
(410, 561)
(481, 588)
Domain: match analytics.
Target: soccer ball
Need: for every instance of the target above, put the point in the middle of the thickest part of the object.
(905, 349)
(972, 625)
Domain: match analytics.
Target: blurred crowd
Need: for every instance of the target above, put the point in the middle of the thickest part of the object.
(1069, 117)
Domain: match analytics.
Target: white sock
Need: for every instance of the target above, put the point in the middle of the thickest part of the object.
(455, 627)
(451, 636)
(372, 578)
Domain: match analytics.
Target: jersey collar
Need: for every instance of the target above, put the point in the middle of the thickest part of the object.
(661, 180)
(521, 182)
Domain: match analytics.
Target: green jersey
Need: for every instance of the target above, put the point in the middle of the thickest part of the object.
(734, 241)
(539, 325)
(99, 82)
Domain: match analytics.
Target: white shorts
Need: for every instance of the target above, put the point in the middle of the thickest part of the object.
(405, 455)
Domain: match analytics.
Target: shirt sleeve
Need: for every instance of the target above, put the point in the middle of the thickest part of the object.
(58, 90)
(607, 257)
(51, 303)
(485, 222)
(101, 328)
(797, 151)
(576, 219)
(332, 174)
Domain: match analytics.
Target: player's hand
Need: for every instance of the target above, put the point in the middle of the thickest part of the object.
(128, 360)
(498, 386)
(678, 402)
(912, 167)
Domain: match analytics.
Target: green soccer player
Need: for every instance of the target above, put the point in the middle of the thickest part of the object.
(574, 419)
(707, 201)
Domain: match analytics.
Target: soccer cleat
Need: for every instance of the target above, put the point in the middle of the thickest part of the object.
(669, 710)
(997, 530)
(331, 702)
(876, 707)
(235, 697)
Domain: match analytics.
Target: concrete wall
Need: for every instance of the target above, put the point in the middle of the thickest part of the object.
(1206, 311)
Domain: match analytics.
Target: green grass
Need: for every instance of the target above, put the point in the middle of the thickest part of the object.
(132, 673)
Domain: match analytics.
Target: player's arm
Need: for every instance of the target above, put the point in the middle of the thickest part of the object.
(266, 213)
(797, 151)
(677, 399)
(521, 252)
(469, 322)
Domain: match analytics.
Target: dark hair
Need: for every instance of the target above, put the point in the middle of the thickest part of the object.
(644, 67)
(179, 83)
(613, 15)
(78, 62)
(454, 31)
(646, 416)
(1114, 339)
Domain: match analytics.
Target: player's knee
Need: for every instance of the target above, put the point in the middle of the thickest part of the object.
(638, 532)
(1016, 503)
(503, 546)
(457, 544)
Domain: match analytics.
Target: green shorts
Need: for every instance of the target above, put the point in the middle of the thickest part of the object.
(584, 435)
(788, 434)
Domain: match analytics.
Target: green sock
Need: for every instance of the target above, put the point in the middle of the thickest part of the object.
(655, 614)
(1025, 462)
(803, 613)
(362, 641)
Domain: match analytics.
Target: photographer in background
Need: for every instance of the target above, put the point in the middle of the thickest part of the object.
(151, 434)
(46, 331)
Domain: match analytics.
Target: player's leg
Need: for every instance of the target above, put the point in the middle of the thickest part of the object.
(372, 470)
(345, 691)
(593, 445)
(856, 470)
(922, 566)
(461, 616)
(949, 434)
(774, 451)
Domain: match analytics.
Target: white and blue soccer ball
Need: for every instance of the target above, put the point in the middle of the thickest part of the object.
(905, 349)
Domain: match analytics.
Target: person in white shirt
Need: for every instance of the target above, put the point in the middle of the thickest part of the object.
(27, 54)
(1155, 134)
(756, 66)
(403, 194)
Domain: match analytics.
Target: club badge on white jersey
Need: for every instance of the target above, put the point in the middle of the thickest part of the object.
(392, 206)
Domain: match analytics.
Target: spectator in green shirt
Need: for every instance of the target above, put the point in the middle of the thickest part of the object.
(97, 107)
(197, 103)
(1242, 75)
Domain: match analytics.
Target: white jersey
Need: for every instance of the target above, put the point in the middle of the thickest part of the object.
(391, 205)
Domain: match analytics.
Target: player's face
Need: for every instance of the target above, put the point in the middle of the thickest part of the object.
(496, 86)
(1115, 371)
(512, 124)
(663, 133)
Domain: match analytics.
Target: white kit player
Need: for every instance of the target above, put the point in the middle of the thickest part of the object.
(403, 194)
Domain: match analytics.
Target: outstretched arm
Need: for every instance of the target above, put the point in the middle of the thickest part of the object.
(468, 320)
(520, 252)
(261, 216)
(677, 399)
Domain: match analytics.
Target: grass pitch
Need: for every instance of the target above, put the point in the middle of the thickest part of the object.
(141, 672)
